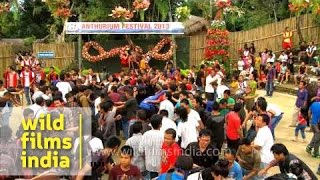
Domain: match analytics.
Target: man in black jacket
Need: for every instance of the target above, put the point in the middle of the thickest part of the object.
(203, 153)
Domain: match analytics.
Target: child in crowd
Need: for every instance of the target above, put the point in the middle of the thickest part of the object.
(125, 170)
(302, 124)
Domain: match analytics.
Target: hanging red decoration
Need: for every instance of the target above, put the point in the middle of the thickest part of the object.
(123, 51)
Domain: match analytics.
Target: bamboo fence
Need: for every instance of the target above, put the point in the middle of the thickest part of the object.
(196, 49)
(266, 36)
(64, 53)
(6, 57)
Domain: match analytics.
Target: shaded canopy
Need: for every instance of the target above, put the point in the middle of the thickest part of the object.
(195, 24)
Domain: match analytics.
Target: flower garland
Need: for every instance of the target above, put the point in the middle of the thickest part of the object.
(121, 51)
(154, 53)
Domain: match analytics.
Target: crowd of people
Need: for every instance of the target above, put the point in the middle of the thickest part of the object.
(173, 126)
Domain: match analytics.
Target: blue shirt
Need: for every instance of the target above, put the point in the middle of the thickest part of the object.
(175, 176)
(315, 113)
(236, 171)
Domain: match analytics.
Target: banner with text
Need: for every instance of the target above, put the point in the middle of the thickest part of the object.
(125, 28)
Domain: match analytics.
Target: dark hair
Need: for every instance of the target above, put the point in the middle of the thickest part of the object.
(106, 106)
(27, 112)
(129, 91)
(164, 113)
(261, 99)
(303, 82)
(168, 95)
(127, 150)
(156, 121)
(205, 132)
(228, 92)
(215, 106)
(137, 127)
(237, 107)
(39, 101)
(262, 105)
(182, 113)
(184, 163)
(202, 66)
(57, 98)
(265, 118)
(245, 141)
(114, 88)
(199, 100)
(173, 87)
(82, 88)
(185, 101)
(141, 114)
(62, 77)
(206, 174)
(185, 93)
(113, 142)
(231, 151)
(221, 168)
(172, 132)
(222, 101)
(304, 112)
(279, 148)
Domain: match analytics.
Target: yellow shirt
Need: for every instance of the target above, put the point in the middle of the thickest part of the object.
(234, 86)
(143, 64)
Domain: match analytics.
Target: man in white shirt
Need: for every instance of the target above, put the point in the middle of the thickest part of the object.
(167, 123)
(64, 87)
(209, 89)
(220, 89)
(276, 116)
(166, 104)
(264, 140)
(218, 74)
(27, 78)
(150, 146)
(192, 114)
(38, 107)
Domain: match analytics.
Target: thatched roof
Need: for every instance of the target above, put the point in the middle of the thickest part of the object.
(12, 41)
(195, 24)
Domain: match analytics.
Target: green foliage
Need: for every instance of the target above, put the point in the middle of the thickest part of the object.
(47, 70)
(29, 41)
(163, 8)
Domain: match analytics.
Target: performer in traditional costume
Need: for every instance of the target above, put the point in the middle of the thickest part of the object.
(287, 39)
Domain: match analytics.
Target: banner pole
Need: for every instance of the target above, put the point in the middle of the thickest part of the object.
(79, 46)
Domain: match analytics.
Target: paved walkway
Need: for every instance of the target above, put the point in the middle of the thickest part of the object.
(284, 134)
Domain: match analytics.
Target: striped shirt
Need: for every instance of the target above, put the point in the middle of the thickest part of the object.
(138, 159)
(150, 145)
